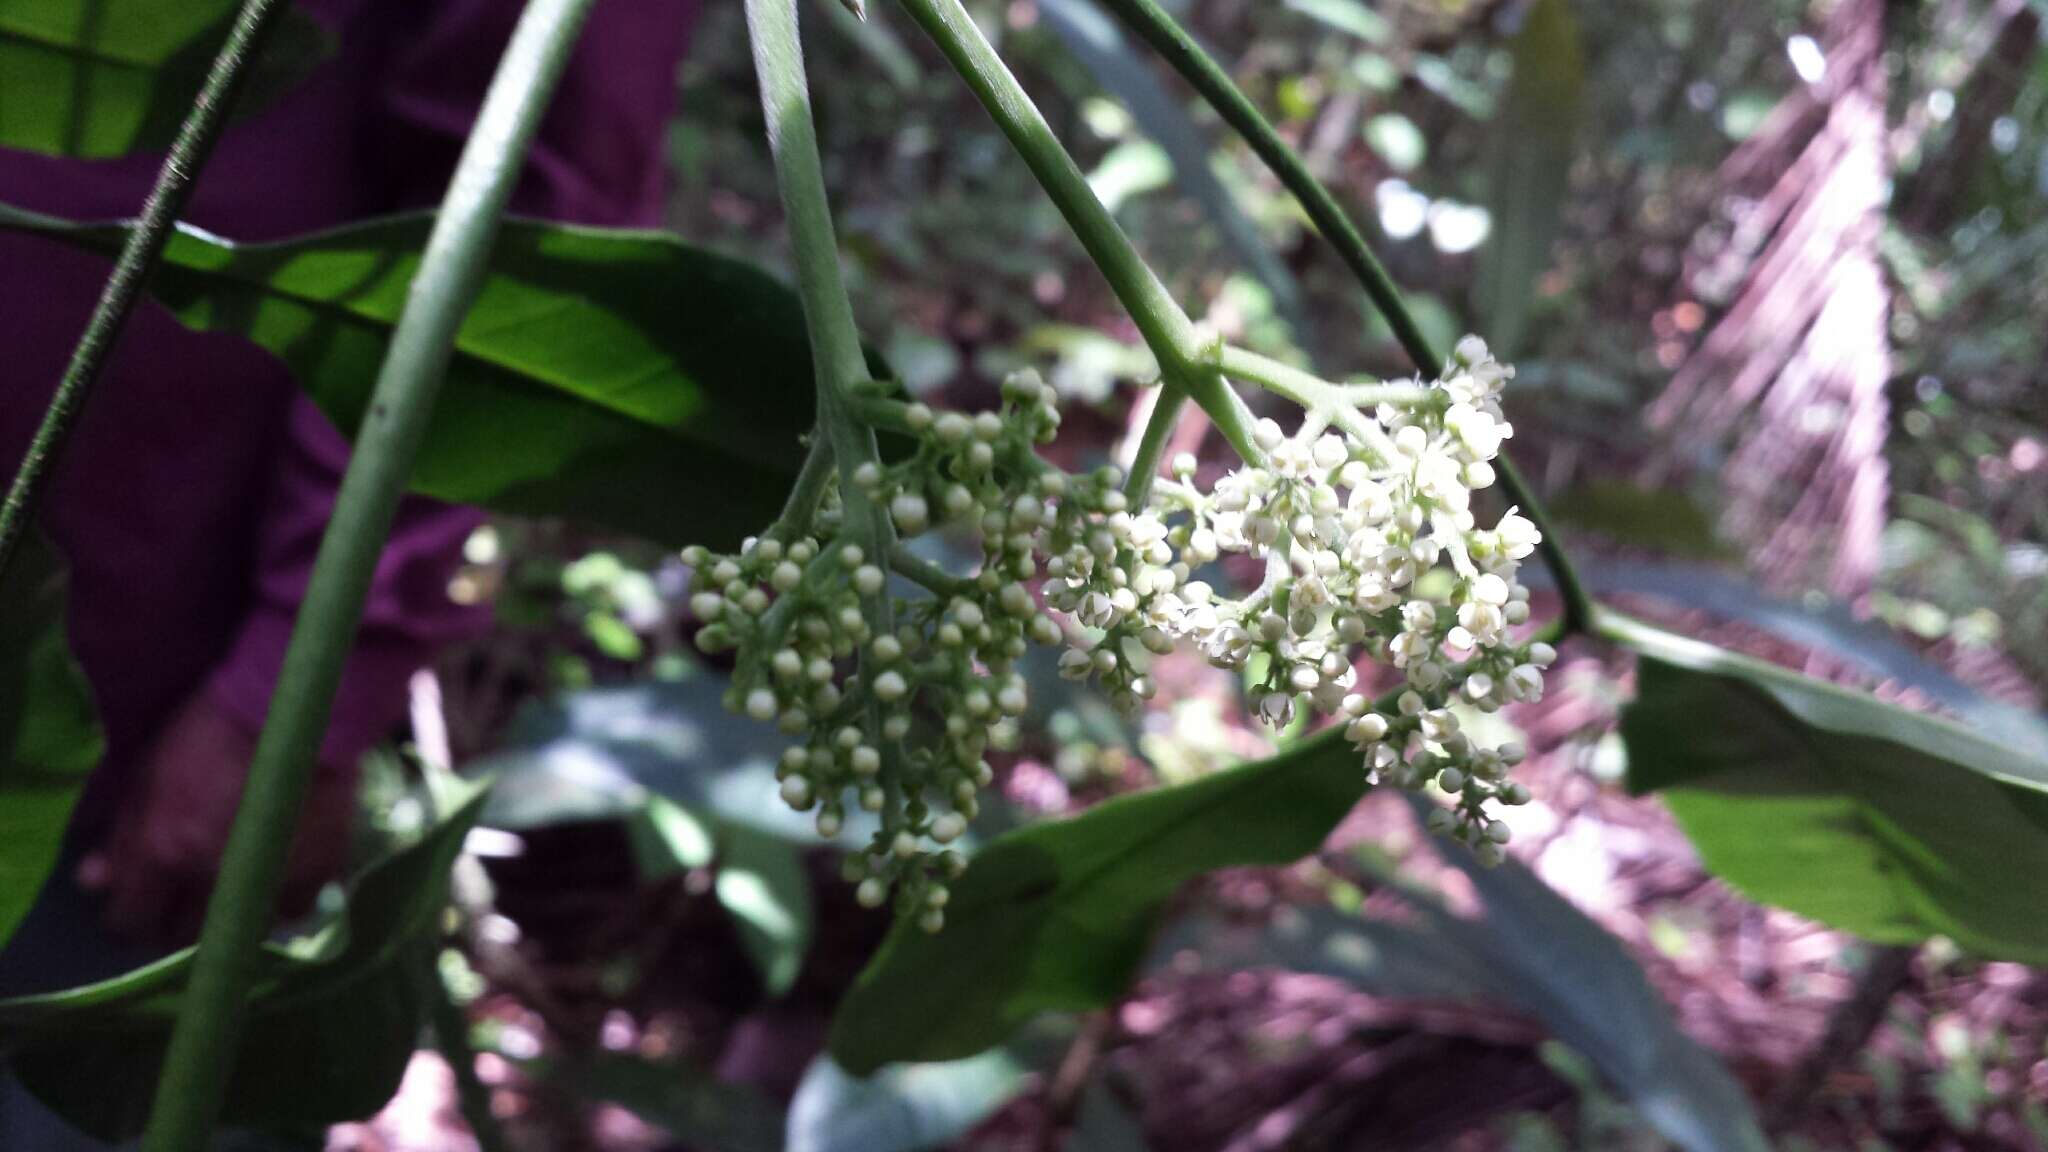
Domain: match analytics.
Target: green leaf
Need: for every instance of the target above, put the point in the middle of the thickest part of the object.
(599, 755)
(50, 737)
(688, 1104)
(1890, 824)
(1057, 916)
(1527, 949)
(333, 1017)
(1532, 160)
(621, 379)
(103, 78)
(902, 1108)
(762, 882)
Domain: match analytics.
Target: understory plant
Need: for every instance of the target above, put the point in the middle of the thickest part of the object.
(1381, 525)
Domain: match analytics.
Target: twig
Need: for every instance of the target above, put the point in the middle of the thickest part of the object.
(1849, 1028)
(145, 243)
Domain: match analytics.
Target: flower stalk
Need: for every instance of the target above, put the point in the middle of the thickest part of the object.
(202, 1048)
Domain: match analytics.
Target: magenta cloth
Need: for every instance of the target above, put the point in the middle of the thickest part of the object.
(199, 480)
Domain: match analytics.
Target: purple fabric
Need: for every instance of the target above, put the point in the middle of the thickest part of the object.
(199, 480)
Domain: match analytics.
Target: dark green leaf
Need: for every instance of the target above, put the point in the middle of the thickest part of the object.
(623, 379)
(1057, 916)
(1532, 160)
(1890, 824)
(902, 1108)
(103, 78)
(333, 1017)
(50, 736)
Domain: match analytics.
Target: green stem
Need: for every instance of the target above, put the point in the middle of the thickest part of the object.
(188, 154)
(451, 271)
(1159, 29)
(1186, 355)
(828, 314)
(802, 505)
(1145, 465)
(928, 575)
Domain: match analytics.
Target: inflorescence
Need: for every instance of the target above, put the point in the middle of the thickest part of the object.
(1371, 551)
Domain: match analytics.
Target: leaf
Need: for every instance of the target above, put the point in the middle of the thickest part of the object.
(902, 1108)
(1348, 16)
(621, 379)
(1890, 824)
(1096, 42)
(689, 1105)
(686, 775)
(50, 737)
(333, 1017)
(762, 882)
(1532, 159)
(1528, 949)
(598, 755)
(1057, 916)
(103, 78)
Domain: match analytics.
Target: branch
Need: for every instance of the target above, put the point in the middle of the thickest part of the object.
(1157, 28)
(202, 1046)
(145, 244)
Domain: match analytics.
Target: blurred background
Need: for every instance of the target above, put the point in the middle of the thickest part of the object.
(1772, 274)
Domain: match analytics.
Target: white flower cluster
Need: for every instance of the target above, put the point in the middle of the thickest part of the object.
(1371, 550)
(904, 730)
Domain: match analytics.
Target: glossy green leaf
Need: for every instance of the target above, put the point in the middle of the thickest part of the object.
(1531, 157)
(103, 78)
(333, 1017)
(1890, 824)
(50, 737)
(621, 379)
(902, 1108)
(1057, 916)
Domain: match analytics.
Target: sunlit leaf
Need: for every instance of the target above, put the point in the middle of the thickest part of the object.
(622, 379)
(1887, 823)
(333, 1017)
(50, 737)
(102, 78)
(1056, 916)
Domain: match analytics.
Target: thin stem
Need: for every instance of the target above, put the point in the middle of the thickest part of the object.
(1186, 354)
(1157, 28)
(802, 504)
(926, 574)
(1167, 330)
(828, 314)
(1158, 429)
(1318, 396)
(145, 243)
(451, 272)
